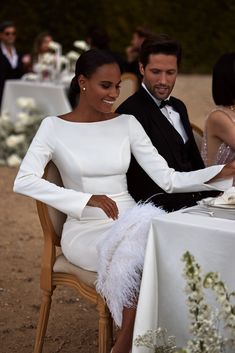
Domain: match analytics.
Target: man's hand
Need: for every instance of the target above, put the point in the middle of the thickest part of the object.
(106, 204)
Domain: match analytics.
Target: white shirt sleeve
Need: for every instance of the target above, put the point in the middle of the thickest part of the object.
(29, 180)
(164, 176)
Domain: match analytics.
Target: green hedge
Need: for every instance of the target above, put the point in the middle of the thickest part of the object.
(204, 28)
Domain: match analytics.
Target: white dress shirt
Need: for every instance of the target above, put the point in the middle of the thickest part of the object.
(172, 116)
(12, 58)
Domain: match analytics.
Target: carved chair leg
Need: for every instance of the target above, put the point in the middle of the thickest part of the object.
(43, 320)
(105, 327)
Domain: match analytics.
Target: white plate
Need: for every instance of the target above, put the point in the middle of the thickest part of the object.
(227, 207)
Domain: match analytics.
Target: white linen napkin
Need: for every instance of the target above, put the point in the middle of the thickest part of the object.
(227, 198)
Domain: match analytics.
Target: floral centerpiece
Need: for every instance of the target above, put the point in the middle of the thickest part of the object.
(15, 136)
(51, 65)
(213, 329)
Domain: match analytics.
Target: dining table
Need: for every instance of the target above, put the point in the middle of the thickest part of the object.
(50, 97)
(209, 235)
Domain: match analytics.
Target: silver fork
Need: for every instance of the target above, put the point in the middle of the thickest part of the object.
(199, 211)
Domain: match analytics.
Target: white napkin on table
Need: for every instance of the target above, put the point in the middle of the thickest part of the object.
(227, 198)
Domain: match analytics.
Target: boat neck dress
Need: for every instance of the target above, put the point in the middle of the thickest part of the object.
(93, 158)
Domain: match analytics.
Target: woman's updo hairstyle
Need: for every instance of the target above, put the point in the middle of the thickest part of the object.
(87, 64)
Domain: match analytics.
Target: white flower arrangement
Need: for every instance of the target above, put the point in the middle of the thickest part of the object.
(55, 46)
(16, 136)
(81, 44)
(208, 325)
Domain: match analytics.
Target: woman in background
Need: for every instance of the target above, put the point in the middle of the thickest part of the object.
(219, 134)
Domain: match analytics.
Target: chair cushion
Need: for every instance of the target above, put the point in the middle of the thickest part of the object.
(64, 266)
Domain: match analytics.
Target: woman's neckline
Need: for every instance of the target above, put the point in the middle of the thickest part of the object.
(88, 122)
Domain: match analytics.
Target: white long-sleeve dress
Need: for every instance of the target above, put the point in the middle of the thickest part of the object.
(93, 158)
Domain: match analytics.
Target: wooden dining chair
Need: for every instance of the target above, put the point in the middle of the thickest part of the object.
(56, 270)
(129, 85)
(198, 135)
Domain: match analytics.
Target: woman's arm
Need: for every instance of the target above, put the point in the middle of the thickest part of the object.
(169, 179)
(29, 180)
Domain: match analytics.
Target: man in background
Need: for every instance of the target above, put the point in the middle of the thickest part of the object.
(165, 120)
(11, 66)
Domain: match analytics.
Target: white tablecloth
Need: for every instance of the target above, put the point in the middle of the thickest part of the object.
(162, 300)
(51, 99)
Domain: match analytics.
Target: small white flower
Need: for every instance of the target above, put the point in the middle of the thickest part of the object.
(24, 118)
(5, 115)
(81, 44)
(14, 140)
(63, 59)
(13, 160)
(26, 102)
(54, 45)
(72, 55)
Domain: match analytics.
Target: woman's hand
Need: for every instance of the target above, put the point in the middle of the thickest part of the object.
(228, 171)
(106, 204)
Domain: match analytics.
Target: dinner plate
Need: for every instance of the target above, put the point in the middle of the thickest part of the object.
(207, 203)
(228, 207)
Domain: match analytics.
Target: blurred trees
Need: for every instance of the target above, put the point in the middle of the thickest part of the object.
(204, 28)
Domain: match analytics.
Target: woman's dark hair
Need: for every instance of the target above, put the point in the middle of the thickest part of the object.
(223, 80)
(160, 44)
(86, 65)
(38, 43)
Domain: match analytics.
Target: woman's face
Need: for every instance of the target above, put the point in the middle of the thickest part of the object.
(45, 44)
(102, 88)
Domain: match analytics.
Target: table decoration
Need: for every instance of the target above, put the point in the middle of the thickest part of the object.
(212, 327)
(16, 136)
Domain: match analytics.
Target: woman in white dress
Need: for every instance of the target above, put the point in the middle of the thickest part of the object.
(91, 147)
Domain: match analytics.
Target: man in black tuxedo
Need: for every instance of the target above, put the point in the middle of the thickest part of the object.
(165, 120)
(11, 66)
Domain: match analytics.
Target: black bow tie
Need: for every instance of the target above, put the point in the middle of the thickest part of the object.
(165, 102)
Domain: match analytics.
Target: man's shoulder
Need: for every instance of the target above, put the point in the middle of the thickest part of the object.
(178, 102)
(134, 103)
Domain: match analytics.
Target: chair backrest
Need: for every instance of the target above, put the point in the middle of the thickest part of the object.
(51, 219)
(198, 135)
(129, 85)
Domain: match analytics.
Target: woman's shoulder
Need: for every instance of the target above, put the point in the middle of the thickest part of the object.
(220, 115)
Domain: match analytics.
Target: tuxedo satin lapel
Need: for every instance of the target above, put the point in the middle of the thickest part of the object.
(158, 119)
(183, 116)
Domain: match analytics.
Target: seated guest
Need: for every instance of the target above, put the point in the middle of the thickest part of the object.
(133, 50)
(40, 47)
(219, 134)
(91, 147)
(165, 122)
(11, 66)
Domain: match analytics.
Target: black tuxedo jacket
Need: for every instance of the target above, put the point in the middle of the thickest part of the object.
(182, 157)
(7, 72)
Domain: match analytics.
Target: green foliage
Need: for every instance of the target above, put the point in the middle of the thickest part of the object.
(204, 28)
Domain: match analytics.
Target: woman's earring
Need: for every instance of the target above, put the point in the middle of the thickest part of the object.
(83, 88)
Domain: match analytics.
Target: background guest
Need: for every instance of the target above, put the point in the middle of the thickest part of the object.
(132, 51)
(40, 47)
(98, 38)
(219, 133)
(11, 66)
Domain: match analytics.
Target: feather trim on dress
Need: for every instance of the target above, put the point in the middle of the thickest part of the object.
(121, 257)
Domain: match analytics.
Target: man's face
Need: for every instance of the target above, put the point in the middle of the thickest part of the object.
(8, 35)
(159, 74)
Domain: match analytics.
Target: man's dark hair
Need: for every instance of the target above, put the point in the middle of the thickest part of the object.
(6, 24)
(160, 44)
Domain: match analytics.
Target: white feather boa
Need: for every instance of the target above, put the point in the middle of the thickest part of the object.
(121, 258)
